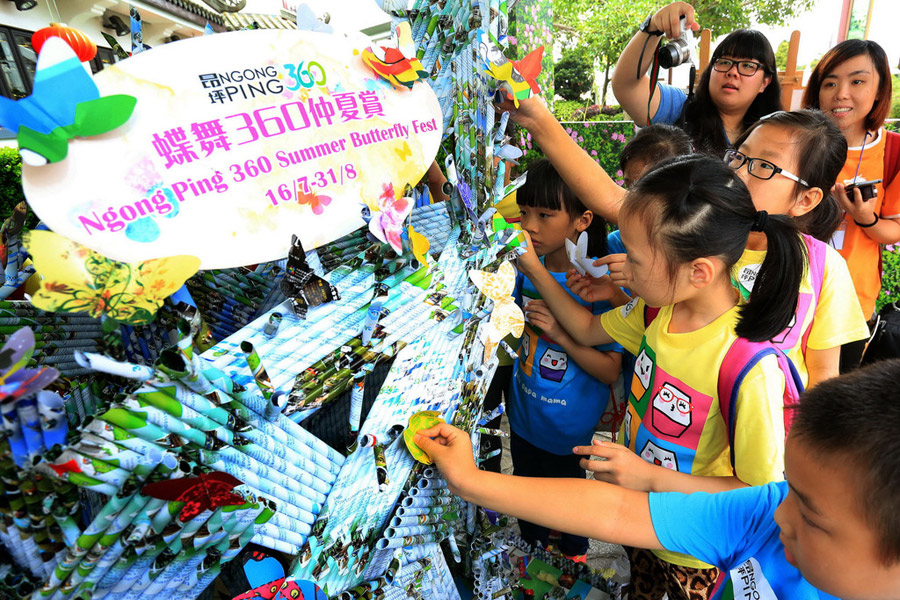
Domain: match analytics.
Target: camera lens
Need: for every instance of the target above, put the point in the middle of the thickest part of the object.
(673, 54)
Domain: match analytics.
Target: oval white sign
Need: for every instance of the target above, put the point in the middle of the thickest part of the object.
(238, 141)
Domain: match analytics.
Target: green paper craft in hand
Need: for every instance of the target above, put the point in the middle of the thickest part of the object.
(418, 422)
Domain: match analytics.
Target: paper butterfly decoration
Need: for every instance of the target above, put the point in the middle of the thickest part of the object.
(265, 573)
(583, 263)
(419, 244)
(78, 279)
(518, 78)
(398, 66)
(16, 381)
(417, 422)
(65, 104)
(387, 223)
(308, 21)
(208, 491)
(301, 285)
(506, 316)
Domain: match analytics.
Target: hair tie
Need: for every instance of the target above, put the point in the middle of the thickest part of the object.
(762, 217)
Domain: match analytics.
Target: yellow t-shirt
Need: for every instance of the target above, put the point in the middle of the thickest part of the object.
(673, 417)
(835, 320)
(863, 254)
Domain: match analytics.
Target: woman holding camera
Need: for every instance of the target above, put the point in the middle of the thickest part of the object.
(852, 85)
(737, 88)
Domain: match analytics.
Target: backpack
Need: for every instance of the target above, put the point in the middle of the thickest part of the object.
(891, 157)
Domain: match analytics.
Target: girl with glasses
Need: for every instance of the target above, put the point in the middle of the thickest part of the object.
(738, 86)
(852, 85)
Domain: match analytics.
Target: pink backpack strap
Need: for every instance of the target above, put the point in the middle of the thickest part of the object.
(891, 157)
(650, 314)
(816, 251)
(741, 357)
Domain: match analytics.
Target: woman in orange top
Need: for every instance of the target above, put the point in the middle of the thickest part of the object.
(852, 85)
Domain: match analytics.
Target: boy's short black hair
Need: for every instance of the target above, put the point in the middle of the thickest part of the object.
(857, 416)
(655, 143)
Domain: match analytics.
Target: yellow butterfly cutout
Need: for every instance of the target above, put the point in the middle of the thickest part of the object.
(420, 245)
(506, 316)
(78, 279)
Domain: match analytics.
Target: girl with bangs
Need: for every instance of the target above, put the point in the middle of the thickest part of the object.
(738, 87)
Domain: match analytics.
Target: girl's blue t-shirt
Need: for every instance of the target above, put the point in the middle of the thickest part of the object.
(554, 403)
(736, 532)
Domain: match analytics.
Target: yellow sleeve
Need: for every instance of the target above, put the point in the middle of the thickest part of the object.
(838, 318)
(759, 429)
(625, 324)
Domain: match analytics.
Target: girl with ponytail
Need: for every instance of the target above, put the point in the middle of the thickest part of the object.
(686, 223)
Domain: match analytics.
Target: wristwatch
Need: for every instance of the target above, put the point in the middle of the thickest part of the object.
(645, 27)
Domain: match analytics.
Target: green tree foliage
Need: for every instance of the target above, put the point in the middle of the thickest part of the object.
(573, 75)
(603, 27)
(781, 55)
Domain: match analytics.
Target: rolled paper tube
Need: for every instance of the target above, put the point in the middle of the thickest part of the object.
(412, 530)
(99, 362)
(430, 473)
(284, 535)
(426, 501)
(356, 404)
(431, 483)
(494, 432)
(256, 367)
(415, 520)
(318, 478)
(490, 455)
(434, 492)
(485, 419)
(70, 464)
(277, 402)
(415, 540)
(381, 471)
(374, 313)
(277, 545)
(271, 328)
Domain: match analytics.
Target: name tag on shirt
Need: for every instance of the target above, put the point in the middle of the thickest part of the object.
(748, 581)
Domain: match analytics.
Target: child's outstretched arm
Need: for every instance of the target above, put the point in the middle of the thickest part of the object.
(584, 327)
(620, 466)
(580, 172)
(580, 506)
(604, 365)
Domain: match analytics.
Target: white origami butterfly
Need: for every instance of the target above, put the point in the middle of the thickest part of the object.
(583, 263)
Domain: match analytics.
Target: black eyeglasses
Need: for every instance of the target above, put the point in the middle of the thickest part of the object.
(758, 167)
(744, 67)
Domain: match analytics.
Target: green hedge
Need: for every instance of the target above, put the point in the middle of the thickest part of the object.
(11, 186)
(603, 140)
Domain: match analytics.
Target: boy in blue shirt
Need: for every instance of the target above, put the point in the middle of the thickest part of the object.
(832, 530)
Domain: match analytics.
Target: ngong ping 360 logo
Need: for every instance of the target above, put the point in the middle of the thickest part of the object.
(244, 84)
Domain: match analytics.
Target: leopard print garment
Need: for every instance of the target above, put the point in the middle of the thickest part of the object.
(652, 578)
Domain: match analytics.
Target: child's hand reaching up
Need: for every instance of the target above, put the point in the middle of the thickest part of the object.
(451, 450)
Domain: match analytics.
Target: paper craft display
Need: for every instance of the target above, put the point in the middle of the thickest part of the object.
(519, 79)
(45, 121)
(256, 136)
(398, 66)
(301, 285)
(78, 279)
(583, 263)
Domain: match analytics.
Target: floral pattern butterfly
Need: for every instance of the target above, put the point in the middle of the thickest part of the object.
(78, 279)
(506, 316)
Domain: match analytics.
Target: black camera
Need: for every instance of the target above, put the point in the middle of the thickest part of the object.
(866, 188)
